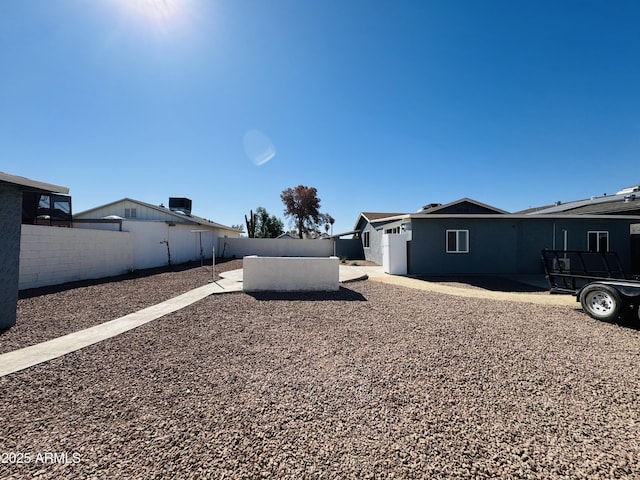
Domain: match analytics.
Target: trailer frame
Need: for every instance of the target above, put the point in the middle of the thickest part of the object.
(596, 279)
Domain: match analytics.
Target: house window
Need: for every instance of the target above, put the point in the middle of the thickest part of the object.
(598, 241)
(130, 213)
(457, 241)
(46, 209)
(365, 239)
(392, 231)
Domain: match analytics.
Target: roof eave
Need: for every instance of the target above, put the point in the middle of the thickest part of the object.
(27, 183)
(514, 216)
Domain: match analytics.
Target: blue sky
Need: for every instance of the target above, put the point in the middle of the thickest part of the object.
(380, 105)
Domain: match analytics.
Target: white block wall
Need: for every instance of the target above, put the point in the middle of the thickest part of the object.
(290, 274)
(51, 255)
(274, 247)
(150, 252)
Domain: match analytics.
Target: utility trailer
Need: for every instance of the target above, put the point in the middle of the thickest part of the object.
(597, 280)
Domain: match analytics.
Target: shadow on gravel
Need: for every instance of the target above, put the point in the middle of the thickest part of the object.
(493, 283)
(35, 292)
(627, 319)
(342, 295)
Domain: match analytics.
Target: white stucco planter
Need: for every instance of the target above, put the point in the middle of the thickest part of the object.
(291, 274)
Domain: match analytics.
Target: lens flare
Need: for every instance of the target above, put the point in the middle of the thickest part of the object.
(258, 147)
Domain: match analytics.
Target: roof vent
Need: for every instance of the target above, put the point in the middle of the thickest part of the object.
(429, 206)
(630, 198)
(180, 205)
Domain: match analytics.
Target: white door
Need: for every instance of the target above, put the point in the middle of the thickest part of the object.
(394, 253)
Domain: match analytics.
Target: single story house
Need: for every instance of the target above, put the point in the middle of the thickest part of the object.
(161, 235)
(469, 237)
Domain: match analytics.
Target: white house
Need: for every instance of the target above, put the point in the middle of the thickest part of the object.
(160, 235)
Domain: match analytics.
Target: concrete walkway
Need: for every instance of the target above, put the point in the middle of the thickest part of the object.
(539, 298)
(376, 273)
(232, 282)
(26, 357)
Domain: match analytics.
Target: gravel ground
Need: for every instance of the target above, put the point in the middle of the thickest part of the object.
(49, 312)
(375, 381)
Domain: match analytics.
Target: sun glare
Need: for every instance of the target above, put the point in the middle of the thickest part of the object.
(155, 10)
(163, 16)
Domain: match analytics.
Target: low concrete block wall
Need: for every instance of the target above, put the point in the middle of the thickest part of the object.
(273, 247)
(291, 274)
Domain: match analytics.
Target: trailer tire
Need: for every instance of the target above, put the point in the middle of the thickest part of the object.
(601, 302)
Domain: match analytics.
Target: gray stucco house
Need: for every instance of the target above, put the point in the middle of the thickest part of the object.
(13, 189)
(469, 237)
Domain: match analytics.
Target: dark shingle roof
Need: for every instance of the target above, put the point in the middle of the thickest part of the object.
(372, 216)
(611, 208)
(605, 205)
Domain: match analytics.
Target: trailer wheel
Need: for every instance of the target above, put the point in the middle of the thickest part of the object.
(601, 302)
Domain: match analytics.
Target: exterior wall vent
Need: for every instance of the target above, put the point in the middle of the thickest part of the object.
(180, 205)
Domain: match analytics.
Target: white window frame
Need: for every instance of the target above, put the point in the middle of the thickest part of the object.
(599, 234)
(457, 245)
